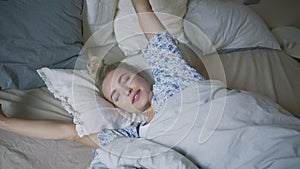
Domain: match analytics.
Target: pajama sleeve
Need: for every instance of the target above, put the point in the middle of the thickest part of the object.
(170, 71)
(108, 135)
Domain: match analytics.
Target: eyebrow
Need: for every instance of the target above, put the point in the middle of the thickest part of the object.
(119, 81)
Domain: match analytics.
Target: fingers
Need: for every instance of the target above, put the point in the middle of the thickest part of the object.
(0, 103)
(1, 111)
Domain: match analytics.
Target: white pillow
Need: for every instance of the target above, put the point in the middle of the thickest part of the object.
(79, 96)
(97, 15)
(228, 25)
(129, 35)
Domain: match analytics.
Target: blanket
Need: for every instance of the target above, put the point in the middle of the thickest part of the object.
(212, 127)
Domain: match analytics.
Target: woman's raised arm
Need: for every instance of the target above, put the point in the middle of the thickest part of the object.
(149, 22)
(45, 129)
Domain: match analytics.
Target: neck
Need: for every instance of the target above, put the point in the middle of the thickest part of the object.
(150, 114)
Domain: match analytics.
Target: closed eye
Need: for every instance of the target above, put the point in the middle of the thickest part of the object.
(124, 79)
(116, 97)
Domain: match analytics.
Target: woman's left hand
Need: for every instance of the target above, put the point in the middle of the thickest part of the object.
(2, 115)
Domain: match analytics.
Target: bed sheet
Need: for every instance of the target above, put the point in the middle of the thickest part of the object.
(268, 72)
(23, 152)
(271, 73)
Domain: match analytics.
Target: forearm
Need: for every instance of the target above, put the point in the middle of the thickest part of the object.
(43, 129)
(47, 129)
(148, 20)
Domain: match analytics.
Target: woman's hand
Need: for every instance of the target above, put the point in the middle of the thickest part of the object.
(3, 117)
(148, 21)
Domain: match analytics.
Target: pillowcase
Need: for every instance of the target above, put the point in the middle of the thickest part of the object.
(36, 34)
(99, 14)
(228, 25)
(80, 97)
(129, 35)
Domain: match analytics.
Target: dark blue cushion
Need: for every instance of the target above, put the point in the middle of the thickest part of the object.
(35, 34)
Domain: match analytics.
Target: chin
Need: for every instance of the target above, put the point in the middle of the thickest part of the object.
(145, 105)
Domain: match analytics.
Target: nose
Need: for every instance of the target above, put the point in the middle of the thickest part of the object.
(128, 92)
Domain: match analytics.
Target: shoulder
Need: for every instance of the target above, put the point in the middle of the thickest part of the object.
(108, 135)
(160, 40)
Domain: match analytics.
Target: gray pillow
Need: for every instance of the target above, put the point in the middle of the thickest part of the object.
(35, 34)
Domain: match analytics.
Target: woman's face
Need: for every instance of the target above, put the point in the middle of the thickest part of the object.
(127, 90)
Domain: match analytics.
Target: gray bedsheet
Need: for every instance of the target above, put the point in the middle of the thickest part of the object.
(271, 73)
(29, 153)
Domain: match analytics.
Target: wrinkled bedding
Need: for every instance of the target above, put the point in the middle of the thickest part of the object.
(258, 70)
(23, 152)
(214, 128)
(268, 72)
(271, 73)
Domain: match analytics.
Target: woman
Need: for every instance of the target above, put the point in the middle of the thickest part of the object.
(247, 120)
(226, 148)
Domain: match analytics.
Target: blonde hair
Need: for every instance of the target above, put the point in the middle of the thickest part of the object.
(99, 70)
(103, 71)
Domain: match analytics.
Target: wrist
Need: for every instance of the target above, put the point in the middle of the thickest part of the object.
(141, 6)
(4, 123)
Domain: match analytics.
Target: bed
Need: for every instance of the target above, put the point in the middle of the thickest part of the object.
(57, 34)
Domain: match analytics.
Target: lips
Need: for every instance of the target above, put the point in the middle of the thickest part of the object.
(136, 96)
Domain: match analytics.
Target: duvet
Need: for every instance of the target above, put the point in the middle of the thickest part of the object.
(209, 126)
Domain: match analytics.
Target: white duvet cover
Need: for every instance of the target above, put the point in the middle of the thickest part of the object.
(214, 128)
